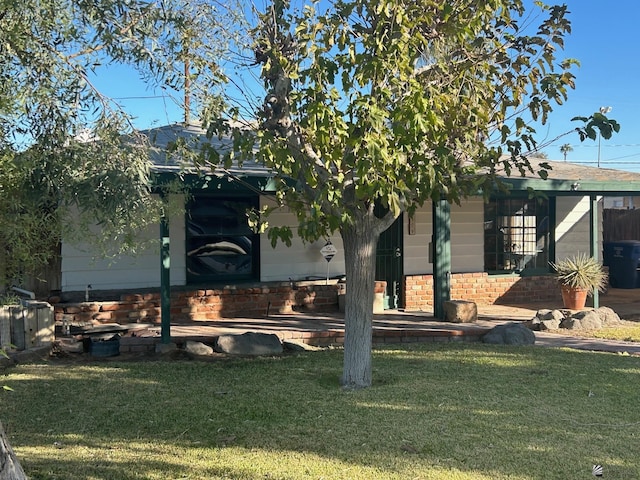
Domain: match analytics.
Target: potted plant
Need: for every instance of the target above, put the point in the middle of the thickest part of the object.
(579, 276)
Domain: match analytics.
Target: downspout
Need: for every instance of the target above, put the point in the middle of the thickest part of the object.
(26, 293)
(593, 240)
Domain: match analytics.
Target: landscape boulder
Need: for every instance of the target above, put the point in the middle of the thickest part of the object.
(250, 343)
(510, 334)
(592, 319)
(460, 311)
(198, 348)
(585, 320)
(546, 320)
(607, 316)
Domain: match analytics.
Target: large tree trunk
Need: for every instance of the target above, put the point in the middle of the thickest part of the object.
(360, 260)
(10, 468)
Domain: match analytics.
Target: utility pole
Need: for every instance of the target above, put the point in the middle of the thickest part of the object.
(603, 111)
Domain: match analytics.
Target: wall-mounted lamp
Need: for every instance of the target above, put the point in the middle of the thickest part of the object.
(575, 186)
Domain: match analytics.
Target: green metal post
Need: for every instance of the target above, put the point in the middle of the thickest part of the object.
(165, 282)
(594, 240)
(441, 243)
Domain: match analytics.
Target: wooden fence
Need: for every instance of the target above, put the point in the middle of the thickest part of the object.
(620, 224)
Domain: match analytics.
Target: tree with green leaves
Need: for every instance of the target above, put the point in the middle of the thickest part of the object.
(565, 149)
(375, 107)
(69, 155)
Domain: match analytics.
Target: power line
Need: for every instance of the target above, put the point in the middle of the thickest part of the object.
(605, 162)
(140, 98)
(584, 145)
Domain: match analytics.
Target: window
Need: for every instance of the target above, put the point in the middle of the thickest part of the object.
(220, 244)
(517, 236)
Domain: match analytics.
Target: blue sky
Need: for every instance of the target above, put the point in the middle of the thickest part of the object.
(603, 39)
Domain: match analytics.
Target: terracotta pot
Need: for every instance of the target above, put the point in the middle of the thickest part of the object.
(574, 298)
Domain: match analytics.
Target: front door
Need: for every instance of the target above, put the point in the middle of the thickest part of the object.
(389, 264)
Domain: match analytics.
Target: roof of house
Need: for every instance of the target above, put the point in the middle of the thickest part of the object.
(571, 178)
(564, 178)
(161, 138)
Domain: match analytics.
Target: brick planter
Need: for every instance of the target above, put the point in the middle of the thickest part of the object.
(210, 304)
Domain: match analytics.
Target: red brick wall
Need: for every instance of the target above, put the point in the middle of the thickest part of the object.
(188, 306)
(234, 302)
(483, 289)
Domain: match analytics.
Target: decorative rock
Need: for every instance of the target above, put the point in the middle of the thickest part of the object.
(571, 323)
(550, 315)
(608, 316)
(544, 314)
(589, 320)
(198, 348)
(510, 334)
(546, 319)
(460, 311)
(533, 324)
(250, 343)
(551, 324)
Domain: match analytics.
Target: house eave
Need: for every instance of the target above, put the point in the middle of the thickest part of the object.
(221, 182)
(574, 187)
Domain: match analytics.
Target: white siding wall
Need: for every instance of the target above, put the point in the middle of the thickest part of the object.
(572, 226)
(82, 267)
(467, 239)
(300, 261)
(467, 236)
(416, 247)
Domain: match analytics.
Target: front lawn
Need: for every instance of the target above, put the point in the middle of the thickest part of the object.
(629, 331)
(436, 411)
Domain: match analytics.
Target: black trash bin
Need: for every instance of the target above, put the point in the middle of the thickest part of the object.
(623, 258)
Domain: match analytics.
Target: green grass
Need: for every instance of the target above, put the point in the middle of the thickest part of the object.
(627, 330)
(450, 411)
(627, 333)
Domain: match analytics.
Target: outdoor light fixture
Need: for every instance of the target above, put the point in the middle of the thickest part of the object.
(575, 186)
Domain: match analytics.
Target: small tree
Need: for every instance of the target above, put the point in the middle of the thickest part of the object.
(69, 156)
(381, 106)
(565, 149)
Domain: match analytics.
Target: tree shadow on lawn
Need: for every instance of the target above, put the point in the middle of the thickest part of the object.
(498, 412)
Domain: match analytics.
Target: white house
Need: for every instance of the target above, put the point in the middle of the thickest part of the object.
(492, 252)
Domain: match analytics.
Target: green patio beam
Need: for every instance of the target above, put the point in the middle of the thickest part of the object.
(218, 183)
(573, 187)
(441, 244)
(594, 240)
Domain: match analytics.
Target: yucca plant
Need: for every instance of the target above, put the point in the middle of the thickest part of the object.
(581, 272)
